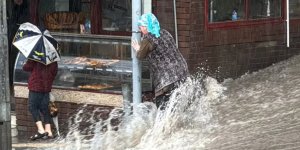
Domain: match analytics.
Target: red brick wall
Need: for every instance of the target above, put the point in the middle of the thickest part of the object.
(26, 126)
(230, 52)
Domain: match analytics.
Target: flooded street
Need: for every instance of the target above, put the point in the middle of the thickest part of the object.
(257, 111)
(261, 110)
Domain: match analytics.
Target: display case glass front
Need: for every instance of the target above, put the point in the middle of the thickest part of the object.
(91, 63)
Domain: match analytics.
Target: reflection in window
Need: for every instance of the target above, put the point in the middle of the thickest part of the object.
(90, 50)
(265, 9)
(221, 10)
(116, 15)
(65, 15)
(295, 8)
(86, 16)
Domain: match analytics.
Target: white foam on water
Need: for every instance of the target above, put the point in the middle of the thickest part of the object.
(187, 119)
(260, 110)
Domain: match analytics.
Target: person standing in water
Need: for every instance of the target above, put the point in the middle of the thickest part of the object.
(166, 63)
(40, 84)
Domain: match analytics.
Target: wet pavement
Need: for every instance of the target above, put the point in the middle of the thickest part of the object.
(259, 111)
(23, 143)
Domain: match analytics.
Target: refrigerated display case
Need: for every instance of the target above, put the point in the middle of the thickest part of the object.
(90, 63)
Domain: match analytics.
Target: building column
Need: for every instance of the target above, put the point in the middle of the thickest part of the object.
(5, 125)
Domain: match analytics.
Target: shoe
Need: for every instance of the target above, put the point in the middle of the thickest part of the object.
(49, 137)
(38, 136)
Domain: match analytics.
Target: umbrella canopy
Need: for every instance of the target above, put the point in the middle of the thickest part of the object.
(35, 44)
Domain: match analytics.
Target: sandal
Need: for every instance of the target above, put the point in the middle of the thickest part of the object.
(49, 137)
(38, 136)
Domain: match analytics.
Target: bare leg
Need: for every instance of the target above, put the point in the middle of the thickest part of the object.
(41, 131)
(48, 129)
(40, 127)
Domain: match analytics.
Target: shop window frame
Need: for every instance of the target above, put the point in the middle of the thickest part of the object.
(247, 21)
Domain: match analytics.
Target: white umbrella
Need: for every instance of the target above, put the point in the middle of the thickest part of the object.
(35, 44)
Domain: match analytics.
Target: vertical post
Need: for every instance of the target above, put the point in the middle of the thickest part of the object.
(136, 65)
(175, 22)
(5, 125)
(126, 92)
(211, 11)
(287, 23)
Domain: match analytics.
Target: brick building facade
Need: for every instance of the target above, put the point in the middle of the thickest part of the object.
(228, 51)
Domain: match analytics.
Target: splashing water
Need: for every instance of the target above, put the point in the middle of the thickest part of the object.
(257, 111)
(187, 119)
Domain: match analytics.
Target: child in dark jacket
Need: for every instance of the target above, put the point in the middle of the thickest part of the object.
(40, 84)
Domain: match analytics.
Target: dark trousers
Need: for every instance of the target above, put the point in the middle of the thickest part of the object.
(161, 101)
(38, 104)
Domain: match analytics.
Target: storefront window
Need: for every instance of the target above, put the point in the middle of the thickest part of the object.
(220, 10)
(111, 17)
(243, 10)
(65, 15)
(265, 9)
(295, 8)
(116, 15)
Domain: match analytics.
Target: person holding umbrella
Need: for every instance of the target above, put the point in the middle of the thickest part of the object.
(167, 65)
(39, 85)
(40, 49)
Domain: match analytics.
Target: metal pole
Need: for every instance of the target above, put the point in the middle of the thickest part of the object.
(287, 23)
(136, 65)
(126, 92)
(5, 125)
(175, 22)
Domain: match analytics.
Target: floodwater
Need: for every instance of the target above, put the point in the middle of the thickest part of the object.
(259, 111)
